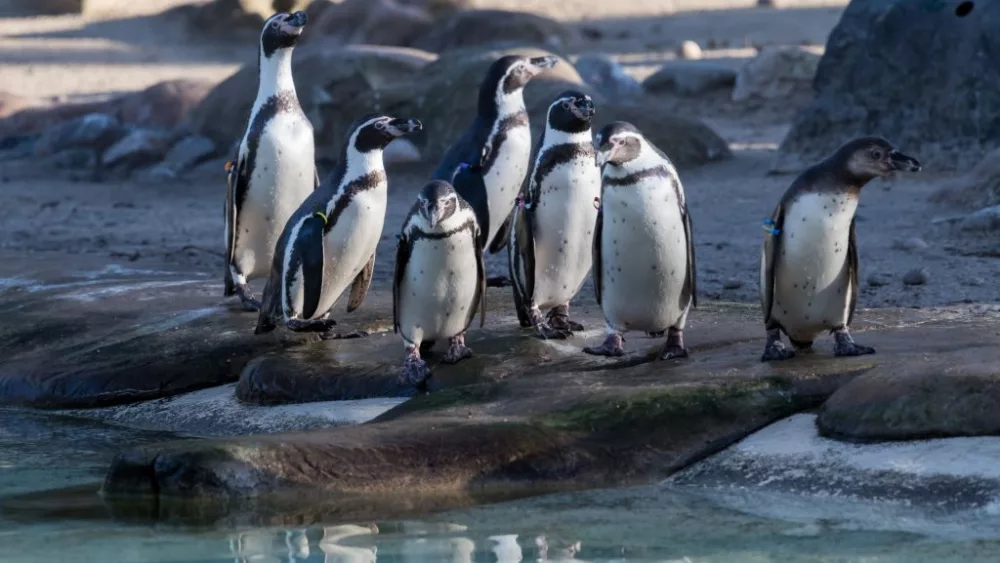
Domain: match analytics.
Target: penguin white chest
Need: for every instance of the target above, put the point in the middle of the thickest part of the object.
(565, 215)
(505, 176)
(644, 257)
(351, 243)
(283, 175)
(812, 290)
(438, 289)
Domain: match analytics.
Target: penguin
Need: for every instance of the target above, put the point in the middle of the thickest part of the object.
(329, 243)
(499, 143)
(549, 254)
(643, 253)
(809, 260)
(275, 169)
(440, 278)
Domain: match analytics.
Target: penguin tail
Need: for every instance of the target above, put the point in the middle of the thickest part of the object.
(229, 287)
(264, 325)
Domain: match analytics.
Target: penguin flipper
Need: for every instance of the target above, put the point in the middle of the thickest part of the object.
(309, 247)
(598, 266)
(359, 288)
(270, 301)
(500, 240)
(524, 235)
(236, 188)
(470, 185)
(317, 182)
(690, 282)
(402, 258)
(772, 249)
(480, 300)
(852, 272)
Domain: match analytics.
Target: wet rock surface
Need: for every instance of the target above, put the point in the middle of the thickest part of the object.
(943, 397)
(548, 415)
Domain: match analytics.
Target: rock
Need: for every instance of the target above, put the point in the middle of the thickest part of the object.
(605, 75)
(89, 337)
(334, 87)
(916, 276)
(690, 78)
(72, 159)
(235, 16)
(978, 187)
(689, 50)
(732, 283)
(373, 22)
(401, 151)
(776, 72)
(162, 106)
(858, 94)
(974, 282)
(910, 244)
(987, 219)
(879, 280)
(95, 131)
(188, 152)
(138, 148)
(931, 401)
(12, 103)
(475, 28)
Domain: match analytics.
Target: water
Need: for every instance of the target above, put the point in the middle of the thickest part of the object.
(51, 469)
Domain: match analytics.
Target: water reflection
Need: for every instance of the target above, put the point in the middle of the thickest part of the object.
(405, 543)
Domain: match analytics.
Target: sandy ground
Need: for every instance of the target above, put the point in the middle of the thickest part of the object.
(181, 223)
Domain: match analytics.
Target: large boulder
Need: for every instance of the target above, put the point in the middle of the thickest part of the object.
(472, 28)
(237, 16)
(915, 72)
(378, 22)
(777, 72)
(334, 86)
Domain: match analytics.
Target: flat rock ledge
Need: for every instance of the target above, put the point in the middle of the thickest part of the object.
(555, 417)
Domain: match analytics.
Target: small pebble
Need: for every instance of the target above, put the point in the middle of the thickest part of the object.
(878, 280)
(732, 283)
(689, 50)
(915, 243)
(916, 276)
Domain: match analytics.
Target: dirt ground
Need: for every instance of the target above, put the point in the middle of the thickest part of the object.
(181, 223)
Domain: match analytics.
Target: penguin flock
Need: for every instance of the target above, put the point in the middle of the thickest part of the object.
(610, 205)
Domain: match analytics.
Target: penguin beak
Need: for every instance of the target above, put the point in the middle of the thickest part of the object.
(903, 162)
(293, 24)
(400, 127)
(434, 213)
(538, 64)
(605, 153)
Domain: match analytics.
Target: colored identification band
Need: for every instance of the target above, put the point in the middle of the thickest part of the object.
(322, 216)
(229, 166)
(769, 227)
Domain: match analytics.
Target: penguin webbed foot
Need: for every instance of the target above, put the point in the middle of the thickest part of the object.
(674, 348)
(558, 319)
(457, 350)
(658, 334)
(314, 325)
(846, 346)
(415, 372)
(614, 346)
(247, 299)
(775, 350)
(349, 336)
(548, 332)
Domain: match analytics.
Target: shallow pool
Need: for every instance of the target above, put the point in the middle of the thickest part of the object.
(51, 469)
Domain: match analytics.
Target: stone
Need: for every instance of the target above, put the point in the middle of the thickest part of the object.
(936, 400)
(974, 282)
(732, 283)
(140, 147)
(916, 276)
(96, 131)
(879, 280)
(162, 106)
(189, 152)
(858, 94)
(690, 78)
(607, 76)
(978, 187)
(477, 28)
(550, 416)
(334, 86)
(689, 50)
(913, 244)
(373, 22)
(12, 103)
(72, 159)
(91, 336)
(986, 219)
(236, 16)
(776, 72)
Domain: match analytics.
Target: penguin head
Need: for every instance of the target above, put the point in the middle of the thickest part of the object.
(571, 112)
(281, 31)
(508, 76)
(872, 157)
(618, 143)
(437, 201)
(375, 131)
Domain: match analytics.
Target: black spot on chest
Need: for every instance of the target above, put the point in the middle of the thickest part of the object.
(282, 102)
(498, 138)
(555, 156)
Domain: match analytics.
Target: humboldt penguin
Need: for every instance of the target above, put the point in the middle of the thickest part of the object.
(329, 243)
(809, 260)
(498, 142)
(275, 168)
(440, 278)
(644, 261)
(549, 255)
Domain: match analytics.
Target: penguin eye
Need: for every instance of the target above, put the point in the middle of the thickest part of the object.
(274, 25)
(876, 154)
(565, 104)
(380, 125)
